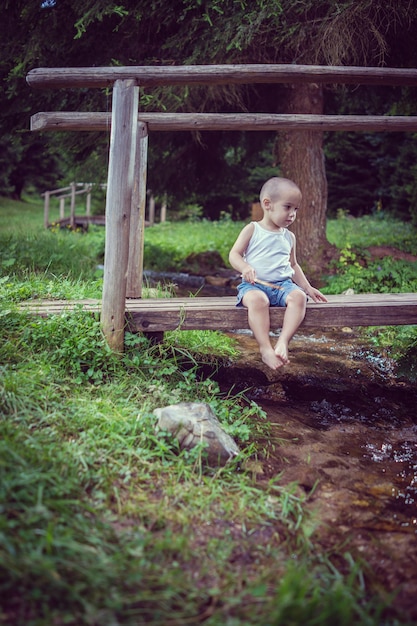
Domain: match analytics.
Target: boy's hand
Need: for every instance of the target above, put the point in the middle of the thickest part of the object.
(316, 295)
(249, 274)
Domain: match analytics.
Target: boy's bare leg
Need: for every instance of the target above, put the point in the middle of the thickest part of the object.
(257, 304)
(294, 315)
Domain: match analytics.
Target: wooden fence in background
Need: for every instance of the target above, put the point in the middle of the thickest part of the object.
(67, 193)
(74, 220)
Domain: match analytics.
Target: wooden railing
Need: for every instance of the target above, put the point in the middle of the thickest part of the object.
(64, 193)
(78, 189)
(152, 76)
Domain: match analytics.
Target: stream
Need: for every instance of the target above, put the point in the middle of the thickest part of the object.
(344, 430)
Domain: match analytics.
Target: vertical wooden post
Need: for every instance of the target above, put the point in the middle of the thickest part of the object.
(61, 208)
(72, 209)
(46, 209)
(151, 216)
(163, 216)
(118, 207)
(137, 217)
(88, 201)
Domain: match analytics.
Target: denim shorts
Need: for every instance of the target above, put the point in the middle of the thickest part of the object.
(276, 297)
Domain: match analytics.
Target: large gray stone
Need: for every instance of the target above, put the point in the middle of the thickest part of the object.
(194, 422)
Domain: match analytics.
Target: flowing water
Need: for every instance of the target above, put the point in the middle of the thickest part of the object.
(343, 429)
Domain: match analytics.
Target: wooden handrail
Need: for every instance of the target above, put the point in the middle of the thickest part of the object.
(76, 121)
(151, 76)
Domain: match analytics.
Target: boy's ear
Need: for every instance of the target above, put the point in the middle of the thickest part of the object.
(266, 204)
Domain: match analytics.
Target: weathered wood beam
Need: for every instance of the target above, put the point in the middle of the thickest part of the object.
(137, 217)
(156, 315)
(120, 186)
(340, 311)
(150, 76)
(76, 121)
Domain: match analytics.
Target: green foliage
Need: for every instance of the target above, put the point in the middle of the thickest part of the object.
(168, 244)
(20, 216)
(400, 343)
(101, 514)
(407, 356)
(299, 601)
(49, 547)
(353, 164)
(239, 164)
(355, 270)
(63, 253)
(382, 276)
(379, 229)
(73, 343)
(371, 172)
(202, 342)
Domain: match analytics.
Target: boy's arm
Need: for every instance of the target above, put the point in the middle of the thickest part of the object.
(237, 251)
(300, 278)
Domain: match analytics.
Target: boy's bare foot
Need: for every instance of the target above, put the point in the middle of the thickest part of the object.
(270, 358)
(281, 351)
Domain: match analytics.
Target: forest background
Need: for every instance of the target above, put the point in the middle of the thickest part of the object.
(212, 174)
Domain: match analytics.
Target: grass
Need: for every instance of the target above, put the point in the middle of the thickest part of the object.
(103, 519)
(24, 217)
(371, 230)
(168, 244)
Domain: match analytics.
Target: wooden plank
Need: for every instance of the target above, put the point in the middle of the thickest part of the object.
(83, 121)
(137, 217)
(72, 206)
(80, 220)
(54, 191)
(46, 206)
(69, 195)
(338, 312)
(155, 315)
(118, 208)
(151, 76)
(44, 308)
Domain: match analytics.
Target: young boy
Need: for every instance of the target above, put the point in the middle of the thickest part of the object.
(266, 251)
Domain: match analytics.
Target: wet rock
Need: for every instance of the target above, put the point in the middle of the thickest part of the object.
(221, 282)
(240, 376)
(193, 423)
(174, 278)
(218, 281)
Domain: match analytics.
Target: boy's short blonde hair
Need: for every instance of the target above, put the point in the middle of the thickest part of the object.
(272, 188)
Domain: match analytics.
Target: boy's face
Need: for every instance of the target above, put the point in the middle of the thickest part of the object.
(282, 210)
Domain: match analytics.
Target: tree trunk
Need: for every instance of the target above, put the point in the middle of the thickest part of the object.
(300, 157)
(17, 180)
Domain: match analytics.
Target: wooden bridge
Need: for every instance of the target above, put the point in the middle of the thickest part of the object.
(70, 193)
(220, 313)
(126, 186)
(74, 220)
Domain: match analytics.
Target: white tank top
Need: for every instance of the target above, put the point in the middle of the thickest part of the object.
(269, 253)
